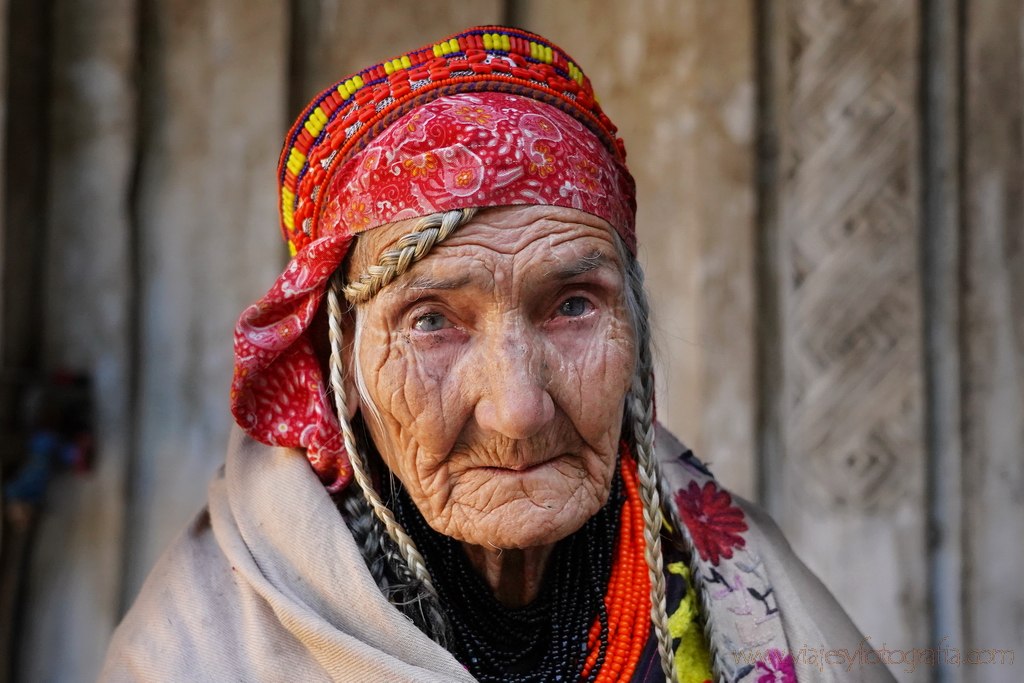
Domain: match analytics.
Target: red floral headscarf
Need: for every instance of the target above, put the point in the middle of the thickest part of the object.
(489, 117)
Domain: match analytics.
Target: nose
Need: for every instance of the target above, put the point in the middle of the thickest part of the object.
(514, 400)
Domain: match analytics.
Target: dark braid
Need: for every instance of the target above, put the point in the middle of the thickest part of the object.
(391, 574)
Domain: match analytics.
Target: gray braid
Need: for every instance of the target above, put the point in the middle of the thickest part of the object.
(640, 406)
(408, 250)
(355, 456)
(412, 590)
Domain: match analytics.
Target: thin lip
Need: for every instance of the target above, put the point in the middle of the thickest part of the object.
(524, 468)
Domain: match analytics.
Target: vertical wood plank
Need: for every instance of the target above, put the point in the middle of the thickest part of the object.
(678, 80)
(849, 491)
(74, 584)
(3, 179)
(333, 38)
(24, 207)
(213, 120)
(942, 39)
(24, 223)
(993, 331)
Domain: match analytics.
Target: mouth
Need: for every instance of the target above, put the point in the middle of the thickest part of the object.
(524, 467)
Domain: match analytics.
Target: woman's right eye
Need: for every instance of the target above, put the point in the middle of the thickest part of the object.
(430, 322)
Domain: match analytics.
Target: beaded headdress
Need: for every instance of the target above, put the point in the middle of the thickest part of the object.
(337, 177)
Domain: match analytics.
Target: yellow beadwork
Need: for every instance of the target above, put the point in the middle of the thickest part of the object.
(542, 53)
(575, 73)
(397, 64)
(295, 161)
(348, 88)
(291, 248)
(693, 656)
(488, 41)
(446, 48)
(316, 122)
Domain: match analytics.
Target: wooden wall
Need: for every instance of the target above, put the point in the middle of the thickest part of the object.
(831, 217)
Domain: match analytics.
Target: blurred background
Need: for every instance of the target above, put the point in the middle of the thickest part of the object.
(831, 216)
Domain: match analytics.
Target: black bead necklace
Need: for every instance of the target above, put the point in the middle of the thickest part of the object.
(545, 640)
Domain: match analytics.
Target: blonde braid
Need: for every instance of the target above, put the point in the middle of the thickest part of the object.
(641, 406)
(406, 251)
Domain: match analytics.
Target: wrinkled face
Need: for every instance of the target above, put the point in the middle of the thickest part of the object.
(499, 365)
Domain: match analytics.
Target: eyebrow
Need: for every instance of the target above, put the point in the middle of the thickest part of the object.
(592, 261)
(431, 282)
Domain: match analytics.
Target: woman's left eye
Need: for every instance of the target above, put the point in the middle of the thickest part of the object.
(574, 306)
(430, 322)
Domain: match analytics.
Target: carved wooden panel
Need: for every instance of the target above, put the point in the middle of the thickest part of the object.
(849, 489)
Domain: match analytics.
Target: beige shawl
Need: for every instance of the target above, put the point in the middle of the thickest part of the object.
(267, 584)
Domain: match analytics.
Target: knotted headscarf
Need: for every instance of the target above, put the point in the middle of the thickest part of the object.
(489, 117)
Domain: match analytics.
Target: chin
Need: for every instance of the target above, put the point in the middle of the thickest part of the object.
(524, 523)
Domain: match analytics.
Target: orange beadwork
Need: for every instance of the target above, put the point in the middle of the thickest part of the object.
(628, 598)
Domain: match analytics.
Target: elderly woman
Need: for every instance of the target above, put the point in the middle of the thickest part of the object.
(447, 466)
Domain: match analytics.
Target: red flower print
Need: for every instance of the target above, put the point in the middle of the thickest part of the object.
(421, 165)
(778, 668)
(714, 522)
(477, 115)
(587, 173)
(356, 215)
(464, 178)
(547, 160)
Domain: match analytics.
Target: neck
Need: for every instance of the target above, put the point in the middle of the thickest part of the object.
(514, 576)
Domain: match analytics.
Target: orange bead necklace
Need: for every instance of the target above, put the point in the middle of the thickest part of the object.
(628, 597)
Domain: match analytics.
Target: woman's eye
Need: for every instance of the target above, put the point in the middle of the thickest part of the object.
(574, 306)
(430, 322)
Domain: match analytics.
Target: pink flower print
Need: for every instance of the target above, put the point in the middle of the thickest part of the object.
(536, 126)
(421, 165)
(714, 522)
(778, 668)
(462, 171)
(542, 161)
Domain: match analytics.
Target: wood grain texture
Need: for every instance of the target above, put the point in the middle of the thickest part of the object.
(993, 332)
(75, 574)
(213, 120)
(849, 492)
(678, 80)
